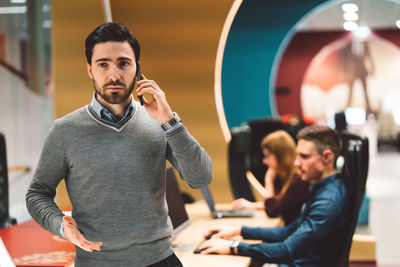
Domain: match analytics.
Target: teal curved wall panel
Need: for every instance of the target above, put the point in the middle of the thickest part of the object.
(258, 35)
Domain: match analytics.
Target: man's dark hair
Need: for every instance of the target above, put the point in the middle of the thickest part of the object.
(323, 137)
(107, 32)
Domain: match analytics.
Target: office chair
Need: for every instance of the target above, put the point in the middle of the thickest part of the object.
(5, 219)
(340, 122)
(238, 150)
(354, 173)
(244, 153)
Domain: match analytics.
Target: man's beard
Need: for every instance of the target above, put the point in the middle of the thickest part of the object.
(116, 97)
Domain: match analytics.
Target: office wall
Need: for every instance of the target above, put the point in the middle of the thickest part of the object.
(71, 23)
(258, 35)
(179, 41)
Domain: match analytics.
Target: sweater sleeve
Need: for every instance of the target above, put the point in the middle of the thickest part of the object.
(294, 197)
(275, 207)
(276, 250)
(268, 234)
(322, 219)
(51, 169)
(266, 252)
(189, 158)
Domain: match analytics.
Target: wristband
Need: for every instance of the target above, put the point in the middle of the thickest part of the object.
(175, 120)
(233, 244)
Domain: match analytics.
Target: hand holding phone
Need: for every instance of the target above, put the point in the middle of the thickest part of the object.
(154, 100)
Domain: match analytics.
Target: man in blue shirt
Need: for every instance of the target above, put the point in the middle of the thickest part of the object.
(317, 236)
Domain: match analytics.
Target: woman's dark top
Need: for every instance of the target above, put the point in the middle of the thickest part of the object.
(289, 205)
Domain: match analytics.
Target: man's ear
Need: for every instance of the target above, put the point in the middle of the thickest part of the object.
(327, 156)
(89, 70)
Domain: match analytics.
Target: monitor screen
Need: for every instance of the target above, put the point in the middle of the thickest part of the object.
(209, 200)
(176, 205)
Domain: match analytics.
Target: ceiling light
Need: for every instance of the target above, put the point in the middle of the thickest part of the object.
(355, 116)
(46, 8)
(46, 24)
(13, 10)
(350, 16)
(362, 32)
(350, 25)
(17, 1)
(349, 7)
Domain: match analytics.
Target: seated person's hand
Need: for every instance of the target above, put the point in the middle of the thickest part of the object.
(242, 203)
(215, 245)
(223, 231)
(270, 176)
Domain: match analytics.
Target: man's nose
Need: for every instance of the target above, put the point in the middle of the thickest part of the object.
(297, 162)
(114, 74)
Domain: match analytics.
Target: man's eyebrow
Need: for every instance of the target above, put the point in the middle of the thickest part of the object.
(303, 154)
(109, 59)
(103, 59)
(124, 58)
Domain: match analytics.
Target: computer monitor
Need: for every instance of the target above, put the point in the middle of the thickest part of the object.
(176, 205)
(223, 213)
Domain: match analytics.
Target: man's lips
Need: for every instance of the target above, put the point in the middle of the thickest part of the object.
(114, 88)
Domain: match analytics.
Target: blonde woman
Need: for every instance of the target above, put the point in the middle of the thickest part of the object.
(285, 191)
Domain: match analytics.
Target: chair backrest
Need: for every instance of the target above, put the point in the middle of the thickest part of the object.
(244, 153)
(354, 173)
(340, 122)
(5, 220)
(176, 206)
(238, 150)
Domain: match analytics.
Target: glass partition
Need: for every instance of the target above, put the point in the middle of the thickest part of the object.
(25, 91)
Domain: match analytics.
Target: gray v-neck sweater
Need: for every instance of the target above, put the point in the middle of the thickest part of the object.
(115, 178)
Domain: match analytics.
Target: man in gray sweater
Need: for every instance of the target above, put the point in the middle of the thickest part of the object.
(112, 155)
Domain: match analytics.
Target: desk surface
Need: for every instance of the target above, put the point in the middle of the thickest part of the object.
(30, 245)
(201, 221)
(29, 238)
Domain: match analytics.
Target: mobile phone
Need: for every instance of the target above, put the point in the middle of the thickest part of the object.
(139, 77)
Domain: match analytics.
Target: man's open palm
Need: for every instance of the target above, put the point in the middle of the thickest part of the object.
(72, 233)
